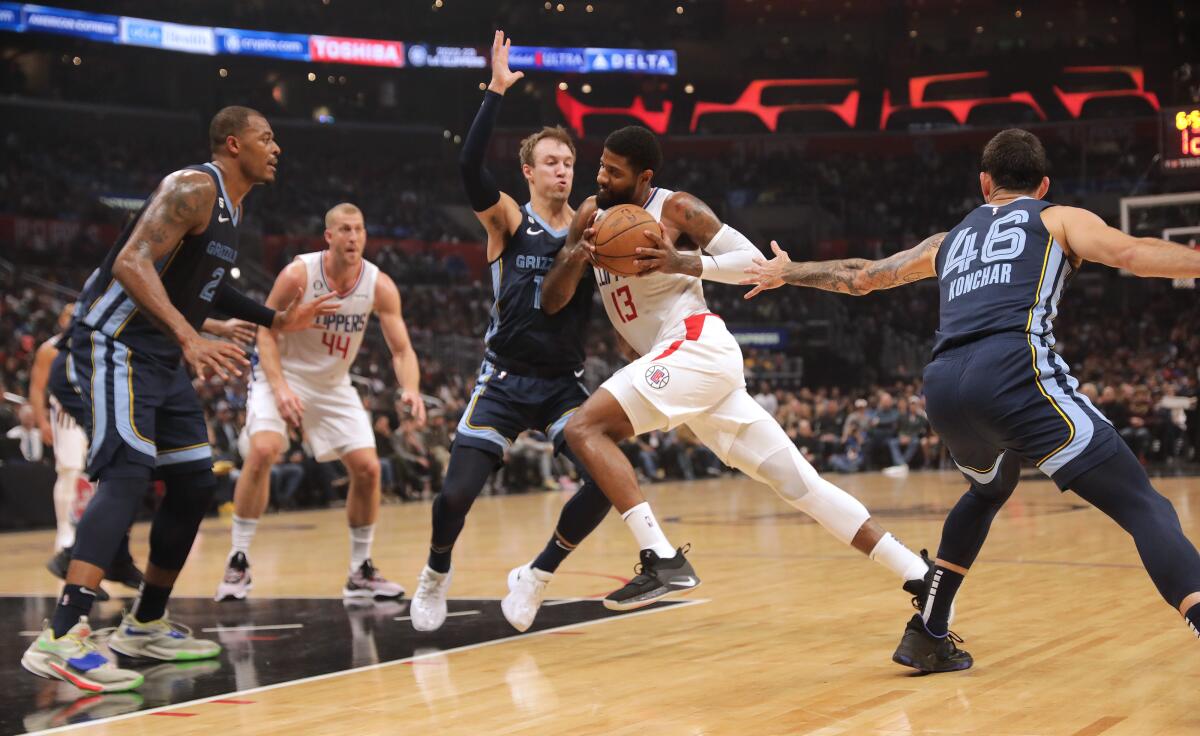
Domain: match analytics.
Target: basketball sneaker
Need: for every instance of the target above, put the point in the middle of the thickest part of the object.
(236, 583)
(918, 588)
(58, 564)
(526, 588)
(162, 639)
(656, 579)
(73, 658)
(923, 651)
(428, 608)
(366, 582)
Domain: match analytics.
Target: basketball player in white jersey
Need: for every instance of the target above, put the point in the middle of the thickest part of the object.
(689, 373)
(303, 380)
(72, 489)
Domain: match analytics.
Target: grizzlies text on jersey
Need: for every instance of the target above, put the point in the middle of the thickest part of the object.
(519, 333)
(192, 273)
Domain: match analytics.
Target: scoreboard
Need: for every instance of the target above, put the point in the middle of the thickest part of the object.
(1180, 136)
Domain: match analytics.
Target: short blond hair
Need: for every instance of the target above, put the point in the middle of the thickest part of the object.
(343, 208)
(556, 133)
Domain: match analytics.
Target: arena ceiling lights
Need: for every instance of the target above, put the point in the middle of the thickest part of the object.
(208, 40)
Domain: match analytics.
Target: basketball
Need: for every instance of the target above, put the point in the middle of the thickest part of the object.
(619, 233)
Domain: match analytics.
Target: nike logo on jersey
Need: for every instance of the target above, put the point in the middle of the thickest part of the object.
(531, 231)
(222, 218)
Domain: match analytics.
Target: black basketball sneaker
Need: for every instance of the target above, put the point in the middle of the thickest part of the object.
(923, 651)
(656, 579)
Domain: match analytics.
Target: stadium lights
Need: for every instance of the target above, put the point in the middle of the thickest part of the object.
(586, 88)
(562, 86)
(223, 72)
(312, 77)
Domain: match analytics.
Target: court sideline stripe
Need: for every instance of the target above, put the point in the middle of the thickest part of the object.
(370, 667)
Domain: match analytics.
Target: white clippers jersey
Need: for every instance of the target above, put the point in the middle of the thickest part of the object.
(648, 310)
(323, 356)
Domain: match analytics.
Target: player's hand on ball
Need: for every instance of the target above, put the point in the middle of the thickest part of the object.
(663, 257)
(415, 404)
(764, 274)
(222, 359)
(238, 330)
(502, 76)
(300, 316)
(584, 250)
(288, 404)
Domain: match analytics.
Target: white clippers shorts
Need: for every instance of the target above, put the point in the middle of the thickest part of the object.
(70, 441)
(698, 382)
(334, 420)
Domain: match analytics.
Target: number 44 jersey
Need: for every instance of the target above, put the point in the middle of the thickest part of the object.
(999, 270)
(322, 356)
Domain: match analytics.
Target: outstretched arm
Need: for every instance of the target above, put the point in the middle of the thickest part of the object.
(855, 276)
(1087, 236)
(572, 260)
(498, 212)
(395, 333)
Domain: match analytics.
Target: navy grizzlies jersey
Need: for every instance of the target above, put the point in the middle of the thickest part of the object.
(999, 270)
(519, 332)
(192, 273)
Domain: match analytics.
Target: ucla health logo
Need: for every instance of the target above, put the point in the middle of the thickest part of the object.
(658, 376)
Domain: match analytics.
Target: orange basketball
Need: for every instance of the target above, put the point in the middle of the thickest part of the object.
(619, 233)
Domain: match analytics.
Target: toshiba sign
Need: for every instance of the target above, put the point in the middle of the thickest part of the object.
(367, 51)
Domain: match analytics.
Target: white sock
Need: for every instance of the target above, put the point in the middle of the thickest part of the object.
(649, 535)
(360, 545)
(243, 534)
(901, 560)
(540, 574)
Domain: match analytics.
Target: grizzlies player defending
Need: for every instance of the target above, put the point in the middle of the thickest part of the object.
(532, 363)
(303, 379)
(128, 388)
(689, 372)
(997, 393)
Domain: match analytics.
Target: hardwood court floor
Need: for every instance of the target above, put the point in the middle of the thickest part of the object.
(795, 636)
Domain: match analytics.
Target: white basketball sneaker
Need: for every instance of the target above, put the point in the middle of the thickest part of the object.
(526, 589)
(428, 608)
(236, 582)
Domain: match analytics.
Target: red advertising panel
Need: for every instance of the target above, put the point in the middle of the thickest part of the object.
(575, 111)
(750, 102)
(364, 51)
(960, 109)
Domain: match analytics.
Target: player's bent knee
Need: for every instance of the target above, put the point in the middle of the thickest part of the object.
(264, 451)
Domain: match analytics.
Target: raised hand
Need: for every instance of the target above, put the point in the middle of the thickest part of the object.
(764, 274)
(502, 76)
(300, 316)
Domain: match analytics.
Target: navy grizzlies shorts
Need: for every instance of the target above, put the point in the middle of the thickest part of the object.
(1013, 392)
(504, 405)
(135, 410)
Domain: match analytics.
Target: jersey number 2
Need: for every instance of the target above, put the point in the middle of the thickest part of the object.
(210, 289)
(337, 343)
(627, 299)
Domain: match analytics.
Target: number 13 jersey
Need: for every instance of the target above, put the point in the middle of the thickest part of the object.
(648, 310)
(323, 355)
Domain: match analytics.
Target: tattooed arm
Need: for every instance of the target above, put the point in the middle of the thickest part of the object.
(855, 276)
(180, 206)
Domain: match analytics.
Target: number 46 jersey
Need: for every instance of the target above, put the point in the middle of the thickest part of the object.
(1000, 270)
(323, 356)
